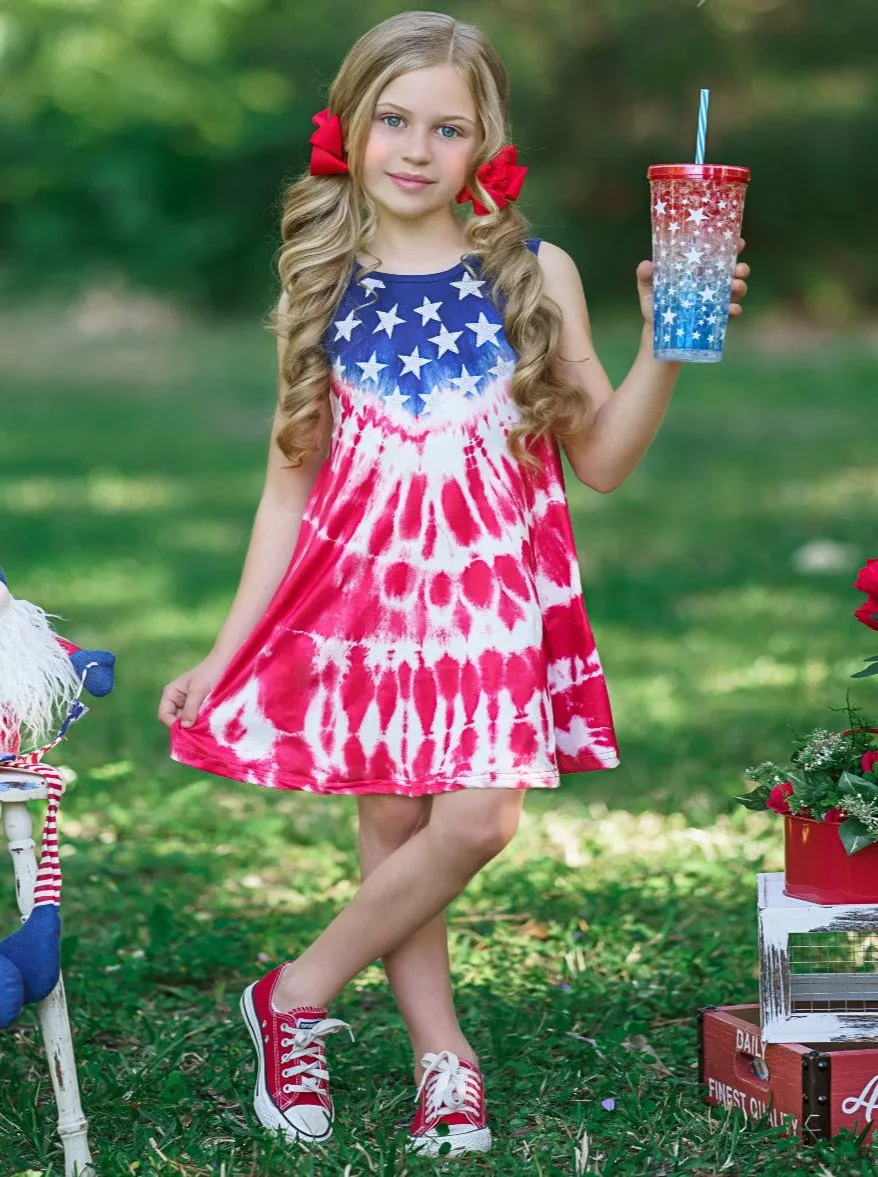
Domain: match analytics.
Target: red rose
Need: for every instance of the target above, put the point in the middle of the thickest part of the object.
(867, 579)
(835, 815)
(870, 759)
(866, 612)
(777, 798)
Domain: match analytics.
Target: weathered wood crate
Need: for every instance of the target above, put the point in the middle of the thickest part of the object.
(818, 968)
(814, 1089)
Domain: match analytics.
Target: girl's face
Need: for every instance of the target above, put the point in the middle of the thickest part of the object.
(424, 127)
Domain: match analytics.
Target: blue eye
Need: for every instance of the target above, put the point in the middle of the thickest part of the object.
(455, 133)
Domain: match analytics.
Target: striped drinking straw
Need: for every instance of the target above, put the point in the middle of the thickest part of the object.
(702, 126)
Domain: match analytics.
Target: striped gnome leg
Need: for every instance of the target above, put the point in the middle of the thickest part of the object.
(34, 951)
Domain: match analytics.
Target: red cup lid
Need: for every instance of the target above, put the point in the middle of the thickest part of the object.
(728, 173)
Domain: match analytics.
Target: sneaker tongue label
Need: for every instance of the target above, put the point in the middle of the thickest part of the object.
(306, 1023)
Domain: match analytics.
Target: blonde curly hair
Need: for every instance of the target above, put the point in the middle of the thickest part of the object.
(327, 220)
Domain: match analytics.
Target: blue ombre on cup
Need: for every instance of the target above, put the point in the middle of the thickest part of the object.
(696, 225)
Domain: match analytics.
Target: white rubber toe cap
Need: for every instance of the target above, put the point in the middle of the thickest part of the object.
(461, 1137)
(309, 1120)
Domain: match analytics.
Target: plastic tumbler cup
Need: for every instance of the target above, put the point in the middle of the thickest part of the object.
(696, 225)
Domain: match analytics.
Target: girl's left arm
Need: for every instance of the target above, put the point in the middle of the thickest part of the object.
(625, 420)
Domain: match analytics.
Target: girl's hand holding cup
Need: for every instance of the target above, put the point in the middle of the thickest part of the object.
(645, 288)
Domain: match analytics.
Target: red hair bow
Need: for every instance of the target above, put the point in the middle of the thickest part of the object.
(501, 177)
(327, 145)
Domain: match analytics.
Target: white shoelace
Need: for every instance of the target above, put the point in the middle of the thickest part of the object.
(308, 1040)
(451, 1087)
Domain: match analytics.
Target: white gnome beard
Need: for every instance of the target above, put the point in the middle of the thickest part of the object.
(37, 680)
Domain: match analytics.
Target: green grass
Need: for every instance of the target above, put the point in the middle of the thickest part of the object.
(131, 469)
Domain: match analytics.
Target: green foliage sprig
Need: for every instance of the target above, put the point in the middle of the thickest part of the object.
(824, 781)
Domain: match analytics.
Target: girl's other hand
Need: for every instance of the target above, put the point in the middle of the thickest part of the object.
(182, 698)
(644, 288)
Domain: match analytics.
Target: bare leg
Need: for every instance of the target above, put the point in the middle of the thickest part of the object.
(418, 969)
(410, 887)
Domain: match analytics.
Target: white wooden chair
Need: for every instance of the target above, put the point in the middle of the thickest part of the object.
(17, 789)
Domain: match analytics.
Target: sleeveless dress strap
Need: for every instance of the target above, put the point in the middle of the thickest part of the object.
(533, 243)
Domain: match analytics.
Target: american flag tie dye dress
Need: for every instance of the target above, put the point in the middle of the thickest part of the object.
(430, 633)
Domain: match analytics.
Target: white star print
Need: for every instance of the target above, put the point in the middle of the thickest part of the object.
(338, 369)
(413, 363)
(693, 255)
(660, 207)
(371, 367)
(445, 340)
(485, 331)
(697, 215)
(344, 327)
(708, 294)
(372, 283)
(669, 316)
(396, 398)
(427, 310)
(503, 369)
(673, 227)
(468, 285)
(388, 320)
(427, 399)
(465, 382)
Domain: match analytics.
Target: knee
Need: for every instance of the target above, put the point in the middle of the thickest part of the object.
(479, 837)
(388, 820)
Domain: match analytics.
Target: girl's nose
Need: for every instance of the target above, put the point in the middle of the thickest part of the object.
(418, 147)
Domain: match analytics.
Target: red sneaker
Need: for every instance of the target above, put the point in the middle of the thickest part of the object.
(292, 1082)
(451, 1092)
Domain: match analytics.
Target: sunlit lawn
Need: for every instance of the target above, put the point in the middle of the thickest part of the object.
(131, 468)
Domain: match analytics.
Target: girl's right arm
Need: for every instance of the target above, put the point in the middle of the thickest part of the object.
(272, 543)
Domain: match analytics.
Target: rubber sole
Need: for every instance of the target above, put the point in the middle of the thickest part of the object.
(479, 1140)
(266, 1113)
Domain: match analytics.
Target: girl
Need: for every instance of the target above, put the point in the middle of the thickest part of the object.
(409, 626)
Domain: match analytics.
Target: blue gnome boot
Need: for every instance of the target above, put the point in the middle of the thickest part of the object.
(11, 993)
(35, 952)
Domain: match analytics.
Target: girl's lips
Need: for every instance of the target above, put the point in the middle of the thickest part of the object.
(409, 185)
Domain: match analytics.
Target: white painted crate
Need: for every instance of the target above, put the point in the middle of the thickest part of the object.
(818, 968)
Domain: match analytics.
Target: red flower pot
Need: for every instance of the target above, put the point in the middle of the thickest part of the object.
(819, 869)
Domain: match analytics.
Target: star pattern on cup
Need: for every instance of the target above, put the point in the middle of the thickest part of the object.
(695, 234)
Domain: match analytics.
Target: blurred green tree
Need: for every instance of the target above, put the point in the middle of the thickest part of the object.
(154, 138)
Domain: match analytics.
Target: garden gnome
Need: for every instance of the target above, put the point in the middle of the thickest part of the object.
(42, 677)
